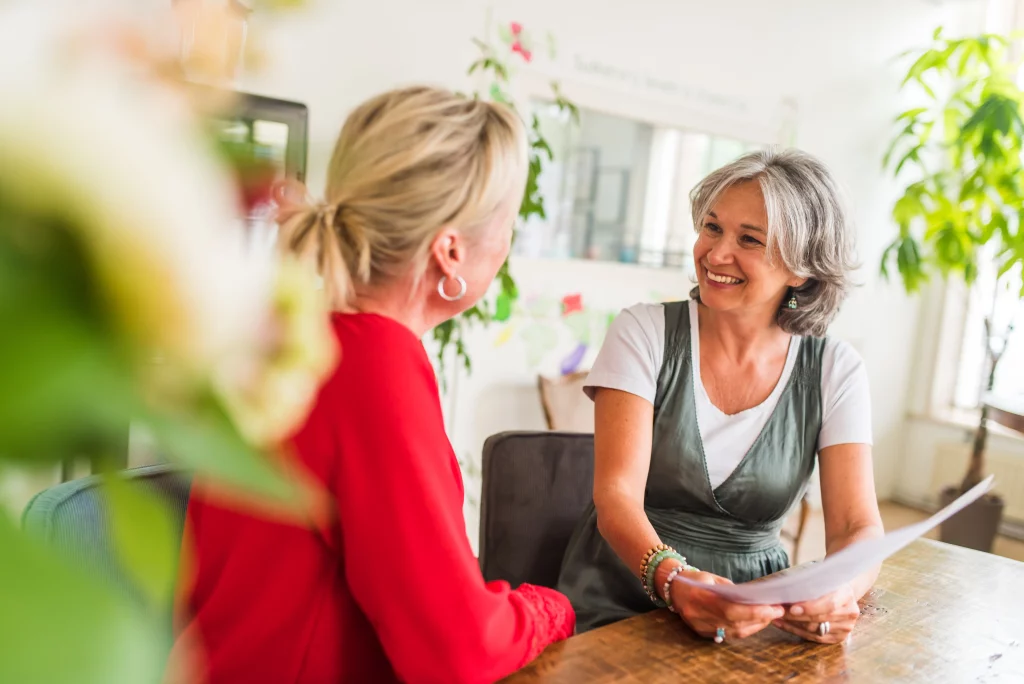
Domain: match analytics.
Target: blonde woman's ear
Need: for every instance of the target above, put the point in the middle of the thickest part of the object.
(291, 196)
(448, 251)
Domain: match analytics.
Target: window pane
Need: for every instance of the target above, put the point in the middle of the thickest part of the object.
(1009, 379)
(1001, 301)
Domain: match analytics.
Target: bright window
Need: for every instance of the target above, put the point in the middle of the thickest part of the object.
(999, 300)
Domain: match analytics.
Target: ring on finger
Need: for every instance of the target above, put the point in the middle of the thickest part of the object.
(823, 628)
(720, 635)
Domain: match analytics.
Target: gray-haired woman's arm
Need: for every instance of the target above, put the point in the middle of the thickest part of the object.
(622, 454)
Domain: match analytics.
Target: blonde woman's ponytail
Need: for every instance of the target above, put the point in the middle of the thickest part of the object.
(341, 255)
(407, 163)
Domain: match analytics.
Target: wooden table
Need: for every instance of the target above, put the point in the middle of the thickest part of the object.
(938, 613)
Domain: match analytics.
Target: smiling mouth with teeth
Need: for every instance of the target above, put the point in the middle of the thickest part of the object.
(723, 279)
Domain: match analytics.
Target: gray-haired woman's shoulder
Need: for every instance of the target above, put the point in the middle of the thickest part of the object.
(645, 310)
(842, 361)
(644, 318)
(843, 347)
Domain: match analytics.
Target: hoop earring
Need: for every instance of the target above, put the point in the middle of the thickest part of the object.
(455, 297)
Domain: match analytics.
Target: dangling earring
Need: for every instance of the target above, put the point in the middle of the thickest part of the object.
(791, 304)
(455, 297)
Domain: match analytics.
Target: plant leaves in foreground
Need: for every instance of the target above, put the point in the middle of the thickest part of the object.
(61, 626)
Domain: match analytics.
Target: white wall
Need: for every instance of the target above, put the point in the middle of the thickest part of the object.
(501, 394)
(728, 66)
(921, 475)
(333, 54)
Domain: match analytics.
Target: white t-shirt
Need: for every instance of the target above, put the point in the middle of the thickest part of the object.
(630, 360)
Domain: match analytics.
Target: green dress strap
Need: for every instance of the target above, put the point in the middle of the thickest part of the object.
(731, 530)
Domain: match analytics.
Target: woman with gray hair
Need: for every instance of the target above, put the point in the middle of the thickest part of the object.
(710, 414)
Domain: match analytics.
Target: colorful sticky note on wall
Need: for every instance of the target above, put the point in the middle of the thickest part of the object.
(540, 306)
(578, 324)
(571, 303)
(540, 338)
(504, 335)
(571, 363)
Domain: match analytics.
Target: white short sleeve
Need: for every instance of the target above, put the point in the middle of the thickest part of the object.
(631, 356)
(845, 397)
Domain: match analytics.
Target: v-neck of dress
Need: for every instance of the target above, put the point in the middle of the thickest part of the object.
(783, 383)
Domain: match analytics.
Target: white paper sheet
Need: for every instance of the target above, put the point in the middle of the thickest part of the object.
(814, 580)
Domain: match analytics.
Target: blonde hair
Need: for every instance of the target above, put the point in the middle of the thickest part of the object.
(408, 163)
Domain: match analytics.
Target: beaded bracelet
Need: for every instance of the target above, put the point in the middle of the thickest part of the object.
(650, 553)
(653, 564)
(666, 589)
(652, 568)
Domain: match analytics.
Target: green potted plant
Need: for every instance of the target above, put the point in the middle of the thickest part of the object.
(960, 155)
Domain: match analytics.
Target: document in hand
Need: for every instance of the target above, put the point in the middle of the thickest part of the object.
(814, 580)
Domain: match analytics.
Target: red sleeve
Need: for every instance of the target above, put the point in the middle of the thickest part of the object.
(407, 558)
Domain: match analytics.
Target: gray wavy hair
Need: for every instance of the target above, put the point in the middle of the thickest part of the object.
(809, 228)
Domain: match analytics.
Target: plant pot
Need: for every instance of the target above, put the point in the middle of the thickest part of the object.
(976, 526)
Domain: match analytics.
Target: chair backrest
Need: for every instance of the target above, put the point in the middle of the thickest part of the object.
(536, 487)
(71, 517)
(565, 405)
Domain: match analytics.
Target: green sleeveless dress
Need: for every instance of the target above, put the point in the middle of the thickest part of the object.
(731, 530)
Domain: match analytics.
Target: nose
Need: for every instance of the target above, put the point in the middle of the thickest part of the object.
(719, 254)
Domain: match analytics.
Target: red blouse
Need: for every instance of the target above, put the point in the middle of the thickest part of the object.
(389, 588)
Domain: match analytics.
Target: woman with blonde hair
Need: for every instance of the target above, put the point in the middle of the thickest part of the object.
(423, 188)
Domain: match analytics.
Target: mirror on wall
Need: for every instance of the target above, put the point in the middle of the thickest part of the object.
(618, 188)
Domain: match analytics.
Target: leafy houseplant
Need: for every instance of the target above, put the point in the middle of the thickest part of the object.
(964, 149)
(494, 67)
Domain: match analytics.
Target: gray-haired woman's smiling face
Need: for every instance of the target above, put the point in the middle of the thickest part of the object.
(731, 257)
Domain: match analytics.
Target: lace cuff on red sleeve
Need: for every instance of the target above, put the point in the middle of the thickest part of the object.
(551, 614)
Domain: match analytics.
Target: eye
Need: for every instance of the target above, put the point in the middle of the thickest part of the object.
(712, 227)
(752, 241)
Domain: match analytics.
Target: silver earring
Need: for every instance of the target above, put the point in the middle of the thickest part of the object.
(455, 297)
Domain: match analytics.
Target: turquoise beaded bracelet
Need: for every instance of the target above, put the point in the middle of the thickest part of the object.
(654, 562)
(652, 567)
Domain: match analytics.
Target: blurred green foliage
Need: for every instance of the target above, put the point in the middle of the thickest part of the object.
(70, 385)
(960, 153)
